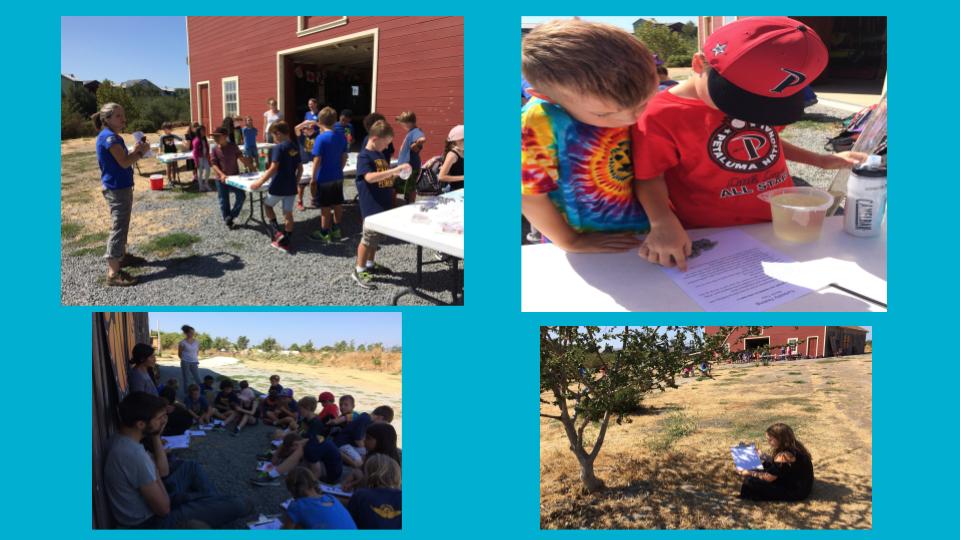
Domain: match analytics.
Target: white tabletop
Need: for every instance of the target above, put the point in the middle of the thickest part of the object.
(243, 181)
(398, 223)
(553, 280)
(170, 158)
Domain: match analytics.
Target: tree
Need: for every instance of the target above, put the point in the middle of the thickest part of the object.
(243, 342)
(351, 347)
(222, 343)
(589, 386)
(663, 41)
(108, 93)
(361, 348)
(294, 347)
(269, 345)
(307, 347)
(206, 342)
(81, 101)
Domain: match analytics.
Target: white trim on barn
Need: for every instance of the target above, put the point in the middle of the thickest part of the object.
(223, 94)
(375, 32)
(814, 355)
(302, 30)
(186, 22)
(209, 103)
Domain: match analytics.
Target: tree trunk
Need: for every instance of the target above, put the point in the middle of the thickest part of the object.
(591, 484)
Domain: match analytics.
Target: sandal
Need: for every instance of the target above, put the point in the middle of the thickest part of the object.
(121, 279)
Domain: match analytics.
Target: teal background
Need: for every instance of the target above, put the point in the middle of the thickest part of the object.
(472, 469)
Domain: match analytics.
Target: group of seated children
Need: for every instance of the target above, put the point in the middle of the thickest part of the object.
(605, 157)
(336, 445)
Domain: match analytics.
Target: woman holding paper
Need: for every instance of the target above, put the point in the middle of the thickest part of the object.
(116, 175)
(787, 473)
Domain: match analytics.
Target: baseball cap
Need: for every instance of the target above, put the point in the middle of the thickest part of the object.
(329, 411)
(456, 133)
(288, 392)
(326, 396)
(760, 65)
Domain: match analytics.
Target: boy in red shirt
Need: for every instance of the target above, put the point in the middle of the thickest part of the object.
(704, 149)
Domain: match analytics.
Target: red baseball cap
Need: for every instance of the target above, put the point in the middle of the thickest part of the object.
(325, 396)
(759, 67)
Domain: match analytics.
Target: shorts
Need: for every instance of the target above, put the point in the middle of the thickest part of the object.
(288, 201)
(370, 239)
(330, 194)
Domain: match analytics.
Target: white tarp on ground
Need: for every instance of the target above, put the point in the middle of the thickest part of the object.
(208, 363)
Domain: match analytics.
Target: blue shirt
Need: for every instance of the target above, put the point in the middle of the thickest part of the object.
(250, 140)
(323, 512)
(353, 431)
(198, 407)
(330, 147)
(406, 154)
(377, 508)
(112, 174)
(376, 197)
(287, 157)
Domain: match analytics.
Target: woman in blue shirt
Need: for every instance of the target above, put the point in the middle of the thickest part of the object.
(116, 174)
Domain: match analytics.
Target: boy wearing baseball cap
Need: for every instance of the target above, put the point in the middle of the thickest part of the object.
(704, 149)
(589, 83)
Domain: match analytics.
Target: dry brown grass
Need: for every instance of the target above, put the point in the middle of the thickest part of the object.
(660, 476)
(81, 203)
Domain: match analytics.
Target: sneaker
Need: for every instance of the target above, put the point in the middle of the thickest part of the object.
(318, 236)
(335, 234)
(264, 479)
(121, 279)
(362, 279)
(379, 269)
(280, 247)
(236, 431)
(230, 224)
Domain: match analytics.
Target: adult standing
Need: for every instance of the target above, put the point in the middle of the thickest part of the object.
(451, 171)
(142, 377)
(271, 117)
(116, 175)
(189, 352)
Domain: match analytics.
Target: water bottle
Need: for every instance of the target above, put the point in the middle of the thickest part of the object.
(866, 198)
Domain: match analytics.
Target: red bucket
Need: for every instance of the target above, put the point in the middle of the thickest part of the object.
(156, 182)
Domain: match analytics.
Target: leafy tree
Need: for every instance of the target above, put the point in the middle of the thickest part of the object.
(170, 340)
(81, 101)
(222, 343)
(307, 347)
(361, 348)
(269, 345)
(243, 342)
(108, 93)
(206, 342)
(663, 41)
(294, 347)
(351, 347)
(589, 386)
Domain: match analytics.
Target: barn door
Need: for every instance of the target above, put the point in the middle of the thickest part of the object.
(203, 97)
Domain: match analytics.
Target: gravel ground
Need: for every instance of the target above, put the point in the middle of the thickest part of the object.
(811, 132)
(240, 267)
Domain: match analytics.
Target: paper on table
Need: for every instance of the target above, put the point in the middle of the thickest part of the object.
(174, 442)
(731, 275)
(335, 489)
(745, 456)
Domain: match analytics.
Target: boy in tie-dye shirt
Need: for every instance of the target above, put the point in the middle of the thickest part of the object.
(590, 82)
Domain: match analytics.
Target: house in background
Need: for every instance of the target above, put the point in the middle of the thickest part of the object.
(143, 84)
(365, 64)
(67, 81)
(810, 341)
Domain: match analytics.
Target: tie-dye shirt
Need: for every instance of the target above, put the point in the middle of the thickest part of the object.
(586, 170)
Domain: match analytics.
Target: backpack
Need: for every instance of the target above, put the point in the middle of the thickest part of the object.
(428, 183)
(852, 127)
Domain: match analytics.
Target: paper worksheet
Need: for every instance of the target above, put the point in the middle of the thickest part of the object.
(174, 442)
(745, 456)
(730, 272)
(196, 433)
(335, 489)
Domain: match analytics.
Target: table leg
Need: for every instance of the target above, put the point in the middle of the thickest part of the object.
(415, 290)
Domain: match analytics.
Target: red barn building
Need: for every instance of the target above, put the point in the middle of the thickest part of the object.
(810, 341)
(382, 64)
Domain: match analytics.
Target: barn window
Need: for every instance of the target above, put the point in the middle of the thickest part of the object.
(231, 96)
(314, 24)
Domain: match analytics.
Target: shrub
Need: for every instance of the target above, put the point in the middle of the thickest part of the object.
(146, 126)
(678, 60)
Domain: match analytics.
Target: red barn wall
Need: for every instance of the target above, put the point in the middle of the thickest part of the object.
(419, 65)
(779, 336)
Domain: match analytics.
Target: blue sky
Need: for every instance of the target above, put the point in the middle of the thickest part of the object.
(324, 328)
(124, 48)
(623, 21)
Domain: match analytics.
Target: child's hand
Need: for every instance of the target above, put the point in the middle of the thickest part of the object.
(667, 244)
(399, 169)
(841, 160)
(256, 185)
(601, 243)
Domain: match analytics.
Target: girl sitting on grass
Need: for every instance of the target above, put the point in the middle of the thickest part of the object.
(376, 504)
(310, 509)
(787, 473)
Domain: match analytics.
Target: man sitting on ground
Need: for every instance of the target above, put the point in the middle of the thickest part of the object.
(144, 490)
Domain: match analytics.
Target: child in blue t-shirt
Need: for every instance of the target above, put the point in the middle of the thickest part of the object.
(377, 504)
(310, 509)
(410, 152)
(375, 189)
(250, 140)
(198, 406)
(329, 157)
(284, 171)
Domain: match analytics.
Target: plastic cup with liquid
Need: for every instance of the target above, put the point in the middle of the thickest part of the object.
(798, 212)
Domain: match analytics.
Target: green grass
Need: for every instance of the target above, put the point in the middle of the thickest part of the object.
(92, 238)
(671, 429)
(169, 242)
(93, 250)
(754, 429)
(78, 163)
(70, 231)
(831, 361)
(816, 125)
